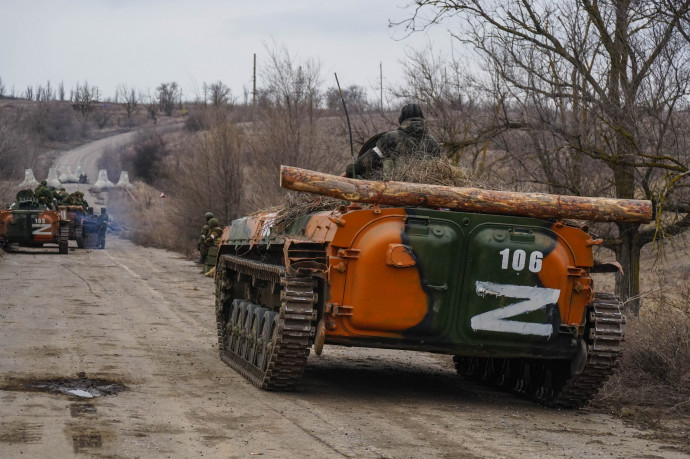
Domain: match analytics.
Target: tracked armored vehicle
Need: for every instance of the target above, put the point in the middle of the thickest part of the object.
(32, 224)
(509, 296)
(83, 226)
(75, 215)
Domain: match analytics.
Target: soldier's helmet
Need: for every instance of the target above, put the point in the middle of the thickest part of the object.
(79, 194)
(102, 210)
(213, 223)
(410, 111)
(208, 215)
(44, 183)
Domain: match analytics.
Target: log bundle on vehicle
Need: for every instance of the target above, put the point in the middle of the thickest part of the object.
(538, 205)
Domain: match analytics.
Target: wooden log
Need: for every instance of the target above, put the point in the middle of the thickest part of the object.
(538, 205)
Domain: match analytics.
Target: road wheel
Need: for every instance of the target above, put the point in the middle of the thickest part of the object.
(63, 239)
(78, 235)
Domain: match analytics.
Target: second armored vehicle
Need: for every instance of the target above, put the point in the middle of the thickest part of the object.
(29, 223)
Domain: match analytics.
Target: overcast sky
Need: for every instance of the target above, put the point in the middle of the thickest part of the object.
(142, 43)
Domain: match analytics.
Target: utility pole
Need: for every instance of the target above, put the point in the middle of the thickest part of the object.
(254, 83)
(381, 81)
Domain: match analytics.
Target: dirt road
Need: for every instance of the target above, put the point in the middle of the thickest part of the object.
(138, 323)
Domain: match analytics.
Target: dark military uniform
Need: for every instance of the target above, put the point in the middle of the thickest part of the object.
(102, 223)
(411, 138)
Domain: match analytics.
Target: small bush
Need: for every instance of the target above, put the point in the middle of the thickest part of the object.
(148, 155)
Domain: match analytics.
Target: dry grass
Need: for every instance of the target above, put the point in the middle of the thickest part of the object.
(436, 171)
(654, 370)
(148, 220)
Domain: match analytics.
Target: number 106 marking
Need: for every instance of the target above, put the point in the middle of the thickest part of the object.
(519, 258)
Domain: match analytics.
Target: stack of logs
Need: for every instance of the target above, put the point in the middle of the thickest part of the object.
(538, 205)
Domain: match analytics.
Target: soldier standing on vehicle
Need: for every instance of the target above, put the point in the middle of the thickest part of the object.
(102, 223)
(201, 245)
(411, 138)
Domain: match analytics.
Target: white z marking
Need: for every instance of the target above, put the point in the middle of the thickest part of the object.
(496, 319)
(41, 229)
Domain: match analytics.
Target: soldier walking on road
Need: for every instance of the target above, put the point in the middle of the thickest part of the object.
(102, 223)
(201, 245)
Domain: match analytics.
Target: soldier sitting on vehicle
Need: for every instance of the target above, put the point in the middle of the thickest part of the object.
(411, 138)
(77, 199)
(43, 194)
(63, 196)
(201, 245)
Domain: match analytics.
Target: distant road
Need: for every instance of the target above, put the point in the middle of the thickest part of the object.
(88, 154)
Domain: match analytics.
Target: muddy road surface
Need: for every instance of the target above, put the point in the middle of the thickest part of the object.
(112, 353)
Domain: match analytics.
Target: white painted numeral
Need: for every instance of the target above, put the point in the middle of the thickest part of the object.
(496, 320)
(505, 253)
(535, 261)
(519, 258)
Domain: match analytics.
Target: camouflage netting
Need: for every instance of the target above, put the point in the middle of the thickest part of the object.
(438, 171)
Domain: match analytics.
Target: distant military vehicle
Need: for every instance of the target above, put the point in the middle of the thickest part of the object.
(31, 224)
(478, 277)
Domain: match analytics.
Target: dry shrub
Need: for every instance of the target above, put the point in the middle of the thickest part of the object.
(200, 172)
(434, 171)
(141, 216)
(654, 370)
(296, 205)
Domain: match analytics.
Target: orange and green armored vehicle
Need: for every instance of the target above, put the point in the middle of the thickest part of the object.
(30, 223)
(510, 296)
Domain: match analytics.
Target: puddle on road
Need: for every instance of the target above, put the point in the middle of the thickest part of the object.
(80, 387)
(82, 441)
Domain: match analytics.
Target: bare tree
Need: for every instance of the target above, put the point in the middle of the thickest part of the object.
(2, 89)
(61, 91)
(287, 128)
(130, 101)
(153, 107)
(209, 172)
(168, 95)
(603, 84)
(84, 101)
(355, 97)
(217, 93)
(46, 93)
(29, 93)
